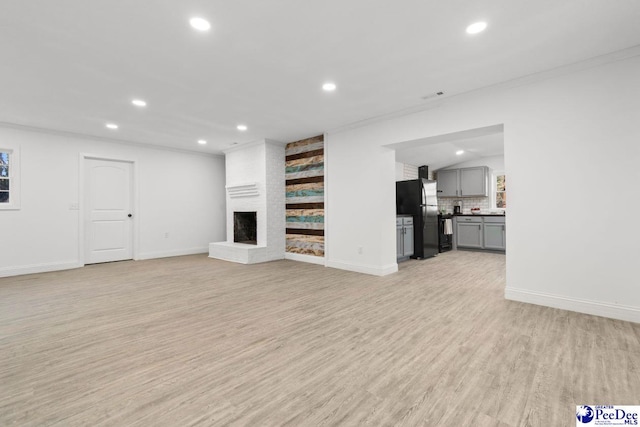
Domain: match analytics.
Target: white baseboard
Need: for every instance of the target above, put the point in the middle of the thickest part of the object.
(167, 254)
(38, 268)
(613, 311)
(366, 269)
(57, 266)
(304, 258)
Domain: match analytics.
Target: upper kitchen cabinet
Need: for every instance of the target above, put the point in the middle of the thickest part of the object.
(448, 185)
(474, 181)
(465, 182)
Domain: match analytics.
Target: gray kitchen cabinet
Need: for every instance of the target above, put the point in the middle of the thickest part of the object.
(474, 181)
(399, 238)
(465, 182)
(404, 237)
(495, 234)
(448, 183)
(408, 240)
(480, 232)
(469, 233)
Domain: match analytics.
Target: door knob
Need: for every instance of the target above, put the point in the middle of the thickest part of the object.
(129, 215)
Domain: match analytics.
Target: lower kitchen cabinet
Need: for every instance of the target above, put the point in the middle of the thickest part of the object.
(469, 233)
(495, 236)
(404, 237)
(481, 232)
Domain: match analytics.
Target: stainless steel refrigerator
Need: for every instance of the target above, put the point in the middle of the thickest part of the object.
(417, 197)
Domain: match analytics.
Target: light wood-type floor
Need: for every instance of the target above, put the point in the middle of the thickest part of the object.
(194, 341)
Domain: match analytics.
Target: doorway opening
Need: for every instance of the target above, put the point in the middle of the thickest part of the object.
(468, 159)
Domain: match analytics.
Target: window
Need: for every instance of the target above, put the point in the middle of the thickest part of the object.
(4, 177)
(500, 192)
(9, 189)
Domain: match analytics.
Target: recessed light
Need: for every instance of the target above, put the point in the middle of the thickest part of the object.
(139, 103)
(476, 28)
(329, 87)
(459, 152)
(242, 127)
(202, 142)
(112, 126)
(200, 24)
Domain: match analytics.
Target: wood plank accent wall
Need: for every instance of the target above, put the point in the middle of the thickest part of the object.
(304, 174)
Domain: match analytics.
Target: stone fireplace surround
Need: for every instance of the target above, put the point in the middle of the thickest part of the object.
(255, 182)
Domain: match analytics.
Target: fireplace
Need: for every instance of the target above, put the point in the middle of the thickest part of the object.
(245, 228)
(255, 204)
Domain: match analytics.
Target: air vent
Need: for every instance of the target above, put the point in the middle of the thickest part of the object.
(433, 95)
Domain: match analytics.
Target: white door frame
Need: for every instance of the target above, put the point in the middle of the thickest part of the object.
(82, 202)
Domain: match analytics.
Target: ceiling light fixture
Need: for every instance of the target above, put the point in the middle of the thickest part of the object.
(329, 87)
(242, 127)
(202, 142)
(476, 28)
(200, 24)
(139, 103)
(112, 126)
(459, 152)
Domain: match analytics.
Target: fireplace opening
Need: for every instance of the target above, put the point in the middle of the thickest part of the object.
(245, 228)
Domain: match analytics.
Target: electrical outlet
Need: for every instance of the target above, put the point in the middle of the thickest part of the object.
(166, 235)
(360, 250)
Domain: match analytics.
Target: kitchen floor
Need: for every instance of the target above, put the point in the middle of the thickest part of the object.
(196, 341)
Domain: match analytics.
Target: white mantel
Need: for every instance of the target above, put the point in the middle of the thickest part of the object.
(255, 181)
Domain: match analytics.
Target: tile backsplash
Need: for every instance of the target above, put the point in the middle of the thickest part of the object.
(467, 203)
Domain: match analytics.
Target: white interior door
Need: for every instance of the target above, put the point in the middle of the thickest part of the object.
(108, 214)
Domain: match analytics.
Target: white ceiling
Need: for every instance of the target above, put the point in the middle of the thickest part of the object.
(440, 151)
(74, 65)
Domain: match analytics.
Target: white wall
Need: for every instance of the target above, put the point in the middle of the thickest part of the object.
(361, 206)
(571, 140)
(399, 171)
(179, 193)
(493, 162)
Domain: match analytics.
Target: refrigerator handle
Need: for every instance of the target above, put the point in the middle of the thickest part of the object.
(424, 207)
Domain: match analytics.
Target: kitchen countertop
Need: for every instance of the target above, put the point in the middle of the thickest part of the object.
(482, 214)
